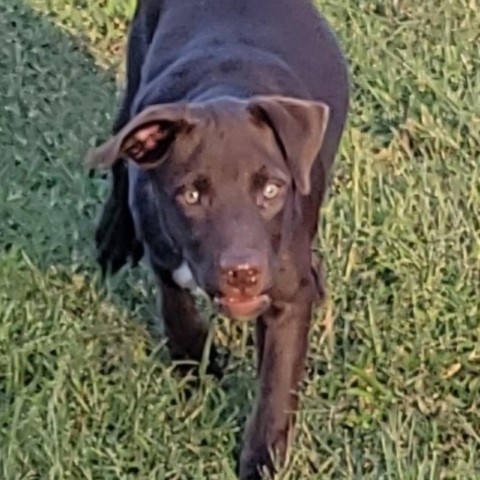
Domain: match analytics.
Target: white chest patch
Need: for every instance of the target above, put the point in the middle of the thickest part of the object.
(183, 277)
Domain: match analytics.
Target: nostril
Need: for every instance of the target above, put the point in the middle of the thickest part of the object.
(252, 275)
(232, 277)
(242, 276)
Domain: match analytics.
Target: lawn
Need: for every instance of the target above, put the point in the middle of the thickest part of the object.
(393, 390)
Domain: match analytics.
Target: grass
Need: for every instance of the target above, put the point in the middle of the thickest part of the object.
(393, 390)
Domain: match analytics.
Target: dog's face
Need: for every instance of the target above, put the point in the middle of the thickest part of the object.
(228, 172)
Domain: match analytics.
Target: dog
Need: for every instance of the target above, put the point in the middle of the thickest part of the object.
(221, 155)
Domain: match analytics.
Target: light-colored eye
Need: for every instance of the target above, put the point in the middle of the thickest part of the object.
(271, 190)
(192, 197)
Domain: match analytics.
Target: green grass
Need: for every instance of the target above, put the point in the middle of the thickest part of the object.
(393, 390)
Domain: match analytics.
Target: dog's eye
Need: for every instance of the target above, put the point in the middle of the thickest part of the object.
(191, 197)
(271, 190)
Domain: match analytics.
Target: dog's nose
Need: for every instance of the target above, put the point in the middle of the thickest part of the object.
(240, 274)
(241, 277)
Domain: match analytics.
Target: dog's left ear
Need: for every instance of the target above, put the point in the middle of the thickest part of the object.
(299, 127)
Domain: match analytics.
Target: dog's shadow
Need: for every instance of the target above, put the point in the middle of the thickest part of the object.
(57, 101)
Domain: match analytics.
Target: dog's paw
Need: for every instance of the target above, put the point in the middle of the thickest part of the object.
(262, 460)
(256, 464)
(265, 448)
(215, 365)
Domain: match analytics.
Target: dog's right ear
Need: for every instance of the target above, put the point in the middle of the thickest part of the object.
(146, 139)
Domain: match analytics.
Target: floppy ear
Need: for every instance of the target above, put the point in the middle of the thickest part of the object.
(299, 127)
(145, 139)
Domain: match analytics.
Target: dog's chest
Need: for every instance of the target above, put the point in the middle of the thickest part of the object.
(183, 277)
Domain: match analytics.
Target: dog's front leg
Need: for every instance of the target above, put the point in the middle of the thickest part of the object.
(283, 336)
(185, 329)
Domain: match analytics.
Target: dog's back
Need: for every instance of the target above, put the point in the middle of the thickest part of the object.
(192, 37)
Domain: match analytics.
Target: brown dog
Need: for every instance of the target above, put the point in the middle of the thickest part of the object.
(221, 155)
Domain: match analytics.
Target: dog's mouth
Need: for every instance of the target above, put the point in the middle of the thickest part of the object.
(242, 308)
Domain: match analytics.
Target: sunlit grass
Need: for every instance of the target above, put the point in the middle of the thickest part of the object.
(393, 391)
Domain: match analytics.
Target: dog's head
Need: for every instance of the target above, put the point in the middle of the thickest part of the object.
(229, 171)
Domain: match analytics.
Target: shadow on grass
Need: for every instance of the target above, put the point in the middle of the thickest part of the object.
(55, 102)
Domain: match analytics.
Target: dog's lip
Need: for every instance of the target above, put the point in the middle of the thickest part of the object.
(243, 307)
